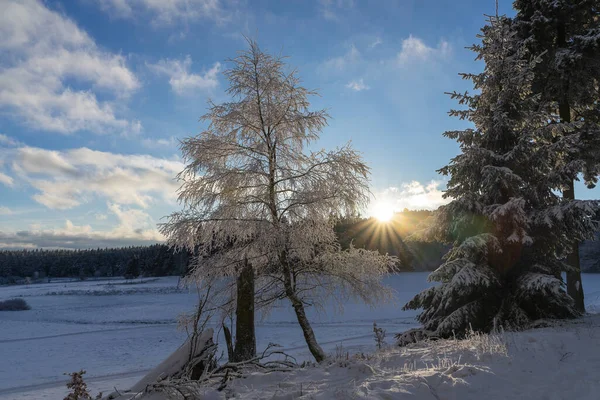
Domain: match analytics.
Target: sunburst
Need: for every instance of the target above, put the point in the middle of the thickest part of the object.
(383, 212)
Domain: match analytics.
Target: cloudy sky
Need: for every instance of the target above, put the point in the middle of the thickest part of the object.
(95, 93)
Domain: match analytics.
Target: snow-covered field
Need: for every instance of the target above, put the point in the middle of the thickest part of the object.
(118, 332)
(559, 363)
(115, 330)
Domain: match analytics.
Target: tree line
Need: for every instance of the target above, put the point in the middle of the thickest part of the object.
(154, 260)
(158, 260)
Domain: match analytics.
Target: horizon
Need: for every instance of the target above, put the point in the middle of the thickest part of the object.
(378, 228)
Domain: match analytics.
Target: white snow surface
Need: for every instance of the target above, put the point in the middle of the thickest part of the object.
(550, 363)
(120, 332)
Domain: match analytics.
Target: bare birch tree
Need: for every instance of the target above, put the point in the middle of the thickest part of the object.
(250, 182)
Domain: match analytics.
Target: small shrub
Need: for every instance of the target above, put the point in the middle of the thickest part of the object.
(14, 305)
(487, 343)
(379, 336)
(78, 387)
(341, 356)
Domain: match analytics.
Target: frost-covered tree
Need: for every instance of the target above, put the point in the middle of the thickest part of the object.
(251, 182)
(509, 230)
(565, 34)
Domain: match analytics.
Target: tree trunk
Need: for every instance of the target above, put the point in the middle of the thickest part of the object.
(245, 336)
(309, 335)
(574, 286)
(228, 342)
(307, 331)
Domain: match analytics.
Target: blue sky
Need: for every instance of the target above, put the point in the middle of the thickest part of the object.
(95, 93)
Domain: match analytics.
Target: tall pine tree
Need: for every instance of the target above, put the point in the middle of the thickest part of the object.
(508, 229)
(565, 34)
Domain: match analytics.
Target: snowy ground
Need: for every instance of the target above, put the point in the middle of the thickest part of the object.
(114, 330)
(556, 363)
(118, 332)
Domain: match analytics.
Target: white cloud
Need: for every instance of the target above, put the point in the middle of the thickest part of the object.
(414, 54)
(16, 245)
(66, 179)
(51, 197)
(135, 127)
(5, 211)
(117, 8)
(166, 12)
(376, 42)
(340, 63)
(151, 143)
(331, 9)
(101, 217)
(135, 227)
(42, 50)
(415, 50)
(6, 180)
(357, 85)
(134, 223)
(413, 195)
(8, 141)
(182, 81)
(40, 161)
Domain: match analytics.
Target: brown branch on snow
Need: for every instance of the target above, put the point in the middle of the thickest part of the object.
(184, 388)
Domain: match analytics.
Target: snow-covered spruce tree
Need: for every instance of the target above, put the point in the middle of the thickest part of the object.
(509, 230)
(565, 34)
(250, 182)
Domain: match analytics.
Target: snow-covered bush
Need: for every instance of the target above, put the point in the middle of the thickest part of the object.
(78, 388)
(14, 305)
(379, 335)
(486, 343)
(341, 356)
(509, 229)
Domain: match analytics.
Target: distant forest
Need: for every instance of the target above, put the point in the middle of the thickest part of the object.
(155, 260)
(159, 260)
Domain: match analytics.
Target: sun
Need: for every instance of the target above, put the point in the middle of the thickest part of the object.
(383, 212)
